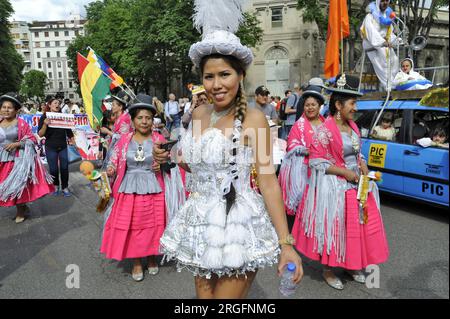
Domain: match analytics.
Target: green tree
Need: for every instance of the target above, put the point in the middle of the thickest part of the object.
(33, 85)
(147, 41)
(11, 62)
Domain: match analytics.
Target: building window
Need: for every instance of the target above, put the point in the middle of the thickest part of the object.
(48, 54)
(39, 55)
(36, 34)
(56, 34)
(70, 84)
(66, 33)
(46, 34)
(49, 65)
(71, 96)
(61, 86)
(57, 44)
(38, 44)
(77, 33)
(47, 44)
(59, 75)
(18, 46)
(67, 43)
(50, 85)
(277, 18)
(50, 75)
(39, 65)
(58, 55)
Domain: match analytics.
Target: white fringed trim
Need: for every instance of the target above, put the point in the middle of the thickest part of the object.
(234, 256)
(217, 216)
(236, 234)
(239, 215)
(212, 258)
(215, 236)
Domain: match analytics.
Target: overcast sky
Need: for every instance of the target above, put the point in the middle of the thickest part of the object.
(47, 10)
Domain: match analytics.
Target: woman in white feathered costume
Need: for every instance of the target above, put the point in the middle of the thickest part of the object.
(226, 231)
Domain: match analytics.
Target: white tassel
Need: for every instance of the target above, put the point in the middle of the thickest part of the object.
(212, 258)
(212, 15)
(239, 215)
(217, 216)
(215, 236)
(234, 256)
(236, 234)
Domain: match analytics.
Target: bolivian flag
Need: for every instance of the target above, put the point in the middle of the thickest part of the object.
(94, 87)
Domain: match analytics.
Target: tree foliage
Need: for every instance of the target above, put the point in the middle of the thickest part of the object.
(33, 85)
(11, 62)
(147, 41)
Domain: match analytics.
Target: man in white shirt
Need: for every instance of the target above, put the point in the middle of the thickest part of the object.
(171, 111)
(66, 107)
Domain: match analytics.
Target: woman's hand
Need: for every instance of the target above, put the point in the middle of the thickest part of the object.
(156, 167)
(351, 176)
(159, 155)
(12, 147)
(289, 255)
(364, 169)
(104, 130)
(110, 171)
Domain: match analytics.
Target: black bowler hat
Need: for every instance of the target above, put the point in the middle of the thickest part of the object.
(346, 85)
(314, 91)
(143, 101)
(262, 90)
(12, 97)
(122, 97)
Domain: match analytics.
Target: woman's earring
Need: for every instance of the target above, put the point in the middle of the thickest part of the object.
(338, 116)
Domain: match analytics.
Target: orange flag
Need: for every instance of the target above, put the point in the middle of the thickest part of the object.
(338, 29)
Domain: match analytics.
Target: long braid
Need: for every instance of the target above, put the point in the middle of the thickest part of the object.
(240, 112)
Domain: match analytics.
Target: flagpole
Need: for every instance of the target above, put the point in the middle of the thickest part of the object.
(131, 93)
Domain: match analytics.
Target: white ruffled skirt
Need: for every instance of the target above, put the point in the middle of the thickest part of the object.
(205, 240)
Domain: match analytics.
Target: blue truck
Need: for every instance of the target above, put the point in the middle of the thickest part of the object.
(409, 170)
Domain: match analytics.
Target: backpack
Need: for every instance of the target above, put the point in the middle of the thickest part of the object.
(283, 115)
(299, 111)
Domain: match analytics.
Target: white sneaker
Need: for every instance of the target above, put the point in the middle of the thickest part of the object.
(138, 277)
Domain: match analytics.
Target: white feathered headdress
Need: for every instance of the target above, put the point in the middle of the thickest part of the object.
(218, 21)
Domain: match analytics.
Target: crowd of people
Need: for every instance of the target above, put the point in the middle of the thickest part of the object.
(214, 203)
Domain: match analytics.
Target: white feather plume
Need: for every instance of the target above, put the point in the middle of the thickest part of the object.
(213, 15)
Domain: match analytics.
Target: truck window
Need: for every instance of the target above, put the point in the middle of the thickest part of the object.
(431, 124)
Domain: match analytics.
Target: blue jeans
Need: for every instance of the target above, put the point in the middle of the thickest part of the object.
(175, 123)
(53, 157)
(285, 131)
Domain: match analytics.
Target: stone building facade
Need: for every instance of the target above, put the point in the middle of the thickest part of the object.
(293, 52)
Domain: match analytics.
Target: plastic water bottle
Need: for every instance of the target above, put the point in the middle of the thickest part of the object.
(287, 286)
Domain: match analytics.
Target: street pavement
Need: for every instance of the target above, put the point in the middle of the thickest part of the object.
(34, 256)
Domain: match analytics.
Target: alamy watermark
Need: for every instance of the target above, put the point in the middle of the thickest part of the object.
(73, 279)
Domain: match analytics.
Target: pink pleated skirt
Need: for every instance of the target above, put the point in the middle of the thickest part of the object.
(365, 244)
(135, 226)
(32, 192)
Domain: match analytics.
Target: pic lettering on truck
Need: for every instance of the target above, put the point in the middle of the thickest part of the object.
(395, 148)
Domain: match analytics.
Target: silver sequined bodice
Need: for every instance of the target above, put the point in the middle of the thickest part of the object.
(208, 158)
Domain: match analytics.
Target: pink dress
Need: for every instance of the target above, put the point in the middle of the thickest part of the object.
(294, 170)
(137, 219)
(16, 185)
(332, 230)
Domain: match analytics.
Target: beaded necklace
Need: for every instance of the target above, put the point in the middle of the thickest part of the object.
(216, 116)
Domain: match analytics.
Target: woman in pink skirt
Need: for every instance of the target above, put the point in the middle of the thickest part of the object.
(137, 218)
(23, 177)
(337, 230)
